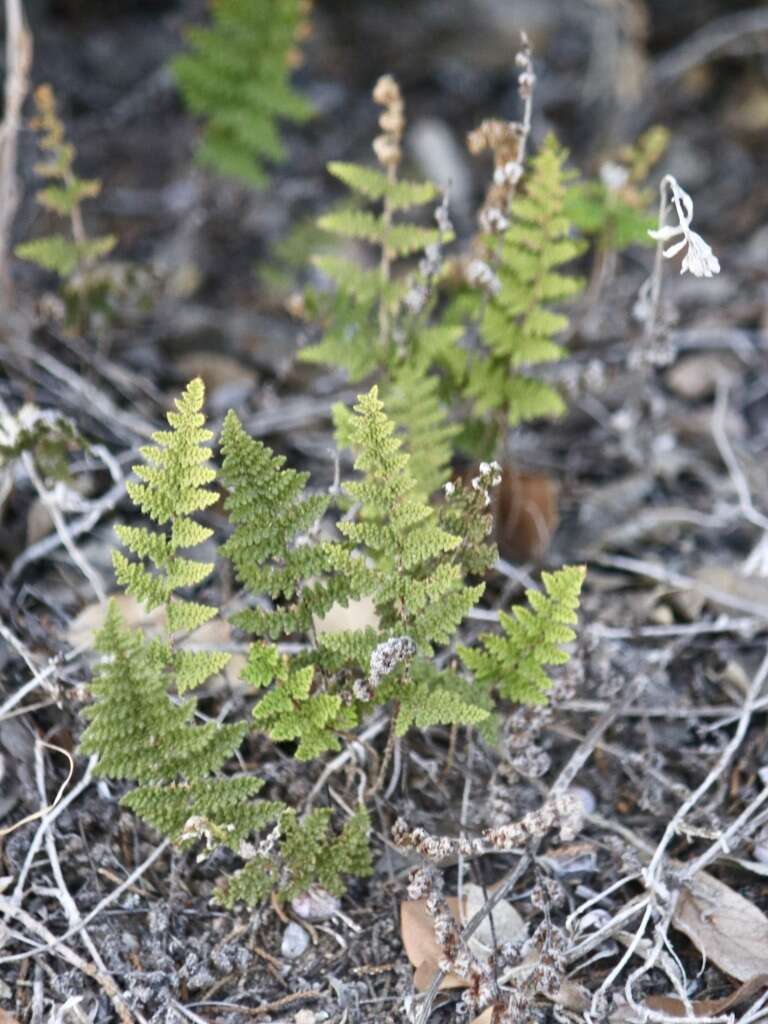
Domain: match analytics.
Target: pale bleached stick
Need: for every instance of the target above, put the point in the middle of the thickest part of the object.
(18, 58)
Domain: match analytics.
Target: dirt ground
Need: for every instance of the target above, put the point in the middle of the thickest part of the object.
(662, 491)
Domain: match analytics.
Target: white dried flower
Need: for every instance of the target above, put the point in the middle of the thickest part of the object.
(480, 275)
(699, 259)
(614, 176)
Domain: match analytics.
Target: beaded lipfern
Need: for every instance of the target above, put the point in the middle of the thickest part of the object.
(518, 326)
(65, 254)
(139, 732)
(378, 319)
(515, 663)
(237, 77)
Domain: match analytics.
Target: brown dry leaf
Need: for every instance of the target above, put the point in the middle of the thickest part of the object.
(729, 930)
(422, 950)
(571, 996)
(84, 627)
(673, 1007)
(8, 1018)
(525, 508)
(217, 633)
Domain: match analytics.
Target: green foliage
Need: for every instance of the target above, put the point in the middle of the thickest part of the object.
(220, 810)
(616, 208)
(136, 729)
(378, 318)
(514, 663)
(47, 436)
(70, 256)
(172, 486)
(409, 559)
(369, 299)
(309, 854)
(273, 520)
(237, 77)
(292, 710)
(517, 325)
(397, 551)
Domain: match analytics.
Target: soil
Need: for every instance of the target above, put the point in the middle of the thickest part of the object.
(656, 479)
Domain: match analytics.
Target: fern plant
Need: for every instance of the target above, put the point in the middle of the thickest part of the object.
(139, 730)
(378, 321)
(616, 207)
(236, 76)
(518, 326)
(70, 255)
(515, 663)
(411, 560)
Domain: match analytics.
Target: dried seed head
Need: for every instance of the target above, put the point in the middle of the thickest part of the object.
(387, 91)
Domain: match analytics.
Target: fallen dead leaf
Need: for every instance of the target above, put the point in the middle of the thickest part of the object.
(422, 950)
(217, 633)
(424, 953)
(697, 376)
(725, 927)
(216, 369)
(84, 627)
(355, 615)
(673, 1007)
(525, 509)
(746, 588)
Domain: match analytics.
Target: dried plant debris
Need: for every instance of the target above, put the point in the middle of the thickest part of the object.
(345, 745)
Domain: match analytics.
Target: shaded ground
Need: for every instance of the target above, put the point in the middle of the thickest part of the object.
(663, 497)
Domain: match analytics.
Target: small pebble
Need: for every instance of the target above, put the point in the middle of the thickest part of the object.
(295, 941)
(587, 798)
(760, 853)
(316, 904)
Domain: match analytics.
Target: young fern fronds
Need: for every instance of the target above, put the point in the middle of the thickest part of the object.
(518, 326)
(415, 587)
(65, 255)
(172, 486)
(514, 663)
(270, 547)
(237, 77)
(138, 732)
(299, 854)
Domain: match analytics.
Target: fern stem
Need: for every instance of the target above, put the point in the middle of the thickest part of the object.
(387, 756)
(385, 265)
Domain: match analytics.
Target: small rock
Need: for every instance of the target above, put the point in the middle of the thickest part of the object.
(295, 941)
(586, 797)
(316, 904)
(443, 161)
(760, 853)
(697, 376)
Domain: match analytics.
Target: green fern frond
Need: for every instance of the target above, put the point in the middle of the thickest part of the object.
(138, 732)
(415, 587)
(517, 327)
(514, 663)
(308, 854)
(56, 252)
(270, 547)
(173, 485)
(224, 806)
(375, 185)
(436, 697)
(236, 76)
(414, 403)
